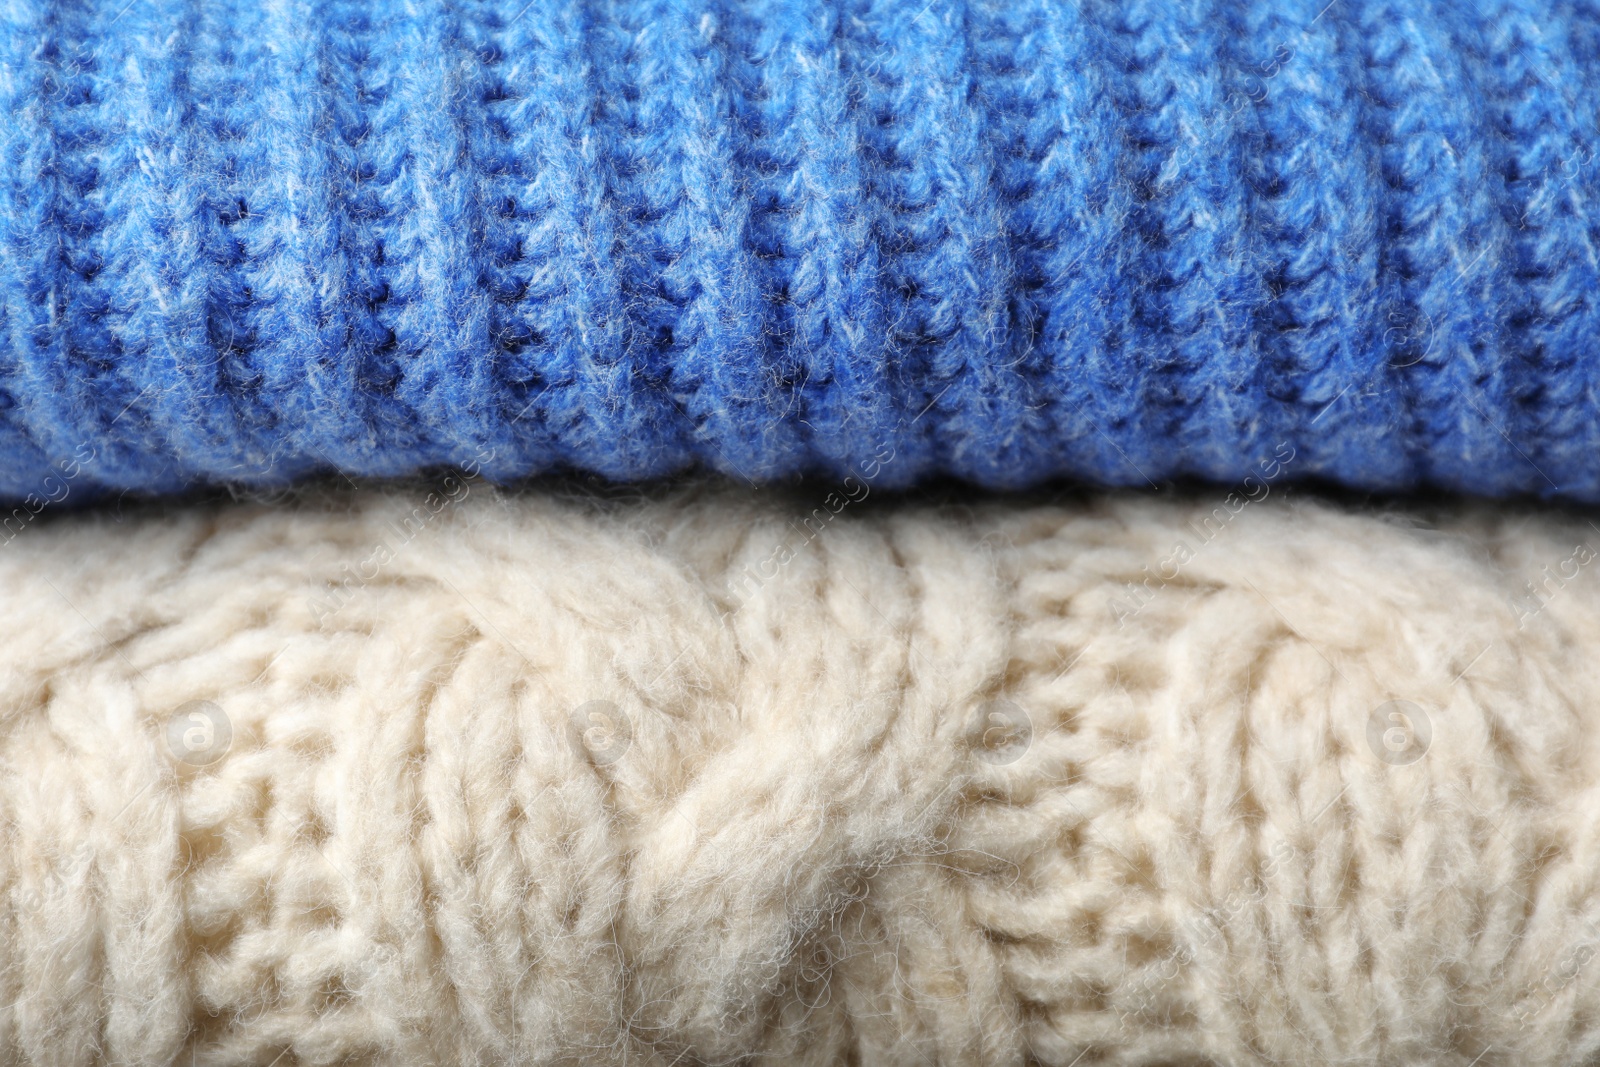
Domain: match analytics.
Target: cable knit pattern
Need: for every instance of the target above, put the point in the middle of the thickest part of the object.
(1117, 242)
(870, 783)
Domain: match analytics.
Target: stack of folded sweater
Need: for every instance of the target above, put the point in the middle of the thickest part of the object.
(688, 532)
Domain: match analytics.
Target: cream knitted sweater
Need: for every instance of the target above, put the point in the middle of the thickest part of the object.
(439, 775)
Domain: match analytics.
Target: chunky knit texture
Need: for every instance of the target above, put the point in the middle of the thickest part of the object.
(1008, 241)
(712, 780)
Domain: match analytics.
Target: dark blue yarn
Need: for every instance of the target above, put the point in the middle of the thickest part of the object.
(1114, 240)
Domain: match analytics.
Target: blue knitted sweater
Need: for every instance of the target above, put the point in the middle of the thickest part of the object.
(1006, 242)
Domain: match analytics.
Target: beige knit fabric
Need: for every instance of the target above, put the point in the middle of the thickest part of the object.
(704, 778)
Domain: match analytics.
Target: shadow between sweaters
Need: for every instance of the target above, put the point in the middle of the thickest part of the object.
(842, 498)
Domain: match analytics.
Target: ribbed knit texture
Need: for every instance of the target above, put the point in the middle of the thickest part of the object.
(1005, 242)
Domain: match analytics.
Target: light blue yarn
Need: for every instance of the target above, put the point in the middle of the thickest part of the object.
(1119, 242)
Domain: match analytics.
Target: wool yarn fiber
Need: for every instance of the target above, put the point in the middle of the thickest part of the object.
(1010, 241)
(437, 775)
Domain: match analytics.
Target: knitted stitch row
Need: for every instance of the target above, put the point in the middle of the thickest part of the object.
(1005, 242)
(544, 780)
